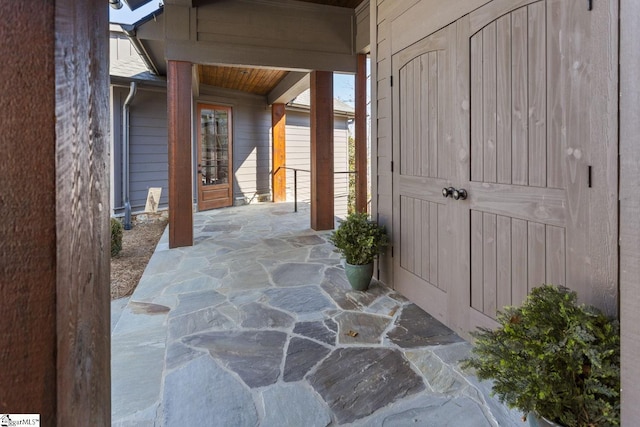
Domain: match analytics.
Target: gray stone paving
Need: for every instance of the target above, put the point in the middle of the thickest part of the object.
(256, 325)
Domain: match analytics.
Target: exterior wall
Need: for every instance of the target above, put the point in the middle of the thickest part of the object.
(251, 148)
(120, 47)
(629, 209)
(298, 149)
(251, 118)
(148, 148)
(300, 35)
(396, 24)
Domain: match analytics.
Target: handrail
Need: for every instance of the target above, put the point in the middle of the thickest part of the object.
(295, 181)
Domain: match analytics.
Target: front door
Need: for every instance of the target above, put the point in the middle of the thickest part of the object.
(215, 184)
(523, 118)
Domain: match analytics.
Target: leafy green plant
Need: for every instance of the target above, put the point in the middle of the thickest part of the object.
(116, 237)
(553, 357)
(359, 239)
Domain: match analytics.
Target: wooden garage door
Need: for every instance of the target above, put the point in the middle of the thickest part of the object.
(533, 143)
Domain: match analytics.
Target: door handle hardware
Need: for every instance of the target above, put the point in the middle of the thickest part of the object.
(460, 194)
(446, 192)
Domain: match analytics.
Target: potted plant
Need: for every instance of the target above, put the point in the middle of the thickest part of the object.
(554, 360)
(359, 241)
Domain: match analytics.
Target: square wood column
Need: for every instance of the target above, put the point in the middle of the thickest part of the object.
(322, 192)
(361, 134)
(180, 182)
(279, 174)
(54, 205)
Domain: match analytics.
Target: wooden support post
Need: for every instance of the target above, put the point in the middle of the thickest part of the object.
(279, 174)
(361, 134)
(54, 205)
(180, 182)
(322, 192)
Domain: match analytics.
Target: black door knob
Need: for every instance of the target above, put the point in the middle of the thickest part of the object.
(446, 192)
(460, 194)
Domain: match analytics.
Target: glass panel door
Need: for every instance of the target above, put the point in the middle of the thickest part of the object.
(214, 163)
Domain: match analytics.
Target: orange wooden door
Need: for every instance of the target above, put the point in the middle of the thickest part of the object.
(215, 166)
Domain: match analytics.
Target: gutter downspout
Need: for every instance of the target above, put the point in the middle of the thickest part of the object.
(125, 156)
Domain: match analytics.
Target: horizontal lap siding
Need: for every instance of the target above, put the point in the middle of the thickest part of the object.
(297, 156)
(251, 149)
(148, 149)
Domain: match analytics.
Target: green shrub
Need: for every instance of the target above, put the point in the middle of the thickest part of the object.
(553, 357)
(116, 237)
(359, 239)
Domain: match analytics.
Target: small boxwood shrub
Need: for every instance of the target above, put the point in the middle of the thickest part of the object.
(554, 357)
(116, 237)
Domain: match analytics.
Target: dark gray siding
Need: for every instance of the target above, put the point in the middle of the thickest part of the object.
(148, 150)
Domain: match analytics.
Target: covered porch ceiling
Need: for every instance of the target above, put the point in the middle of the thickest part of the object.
(258, 81)
(252, 46)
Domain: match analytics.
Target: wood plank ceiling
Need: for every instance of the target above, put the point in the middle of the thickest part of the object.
(258, 81)
(352, 4)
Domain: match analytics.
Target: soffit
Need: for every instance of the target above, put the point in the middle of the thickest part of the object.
(259, 81)
(352, 4)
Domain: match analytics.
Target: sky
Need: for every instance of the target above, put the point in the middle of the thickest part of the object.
(343, 84)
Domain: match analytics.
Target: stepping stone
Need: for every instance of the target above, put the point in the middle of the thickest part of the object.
(319, 331)
(198, 321)
(212, 228)
(297, 274)
(356, 382)
(306, 240)
(201, 393)
(460, 411)
(302, 355)
(257, 315)
(416, 328)
(361, 328)
(385, 306)
(253, 277)
(255, 356)
(336, 285)
(323, 252)
(293, 405)
(178, 354)
(306, 299)
(441, 377)
(194, 301)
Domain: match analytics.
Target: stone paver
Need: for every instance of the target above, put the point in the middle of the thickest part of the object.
(256, 325)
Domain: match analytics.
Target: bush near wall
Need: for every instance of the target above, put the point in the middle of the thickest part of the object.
(116, 237)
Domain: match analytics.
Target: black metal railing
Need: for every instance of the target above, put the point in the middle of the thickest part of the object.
(295, 181)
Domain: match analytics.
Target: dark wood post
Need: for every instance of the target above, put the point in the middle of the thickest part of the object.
(322, 193)
(54, 205)
(279, 174)
(180, 168)
(361, 134)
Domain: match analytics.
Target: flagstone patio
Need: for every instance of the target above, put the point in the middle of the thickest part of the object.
(256, 325)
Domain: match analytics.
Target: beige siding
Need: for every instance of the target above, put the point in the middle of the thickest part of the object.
(298, 152)
(630, 209)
